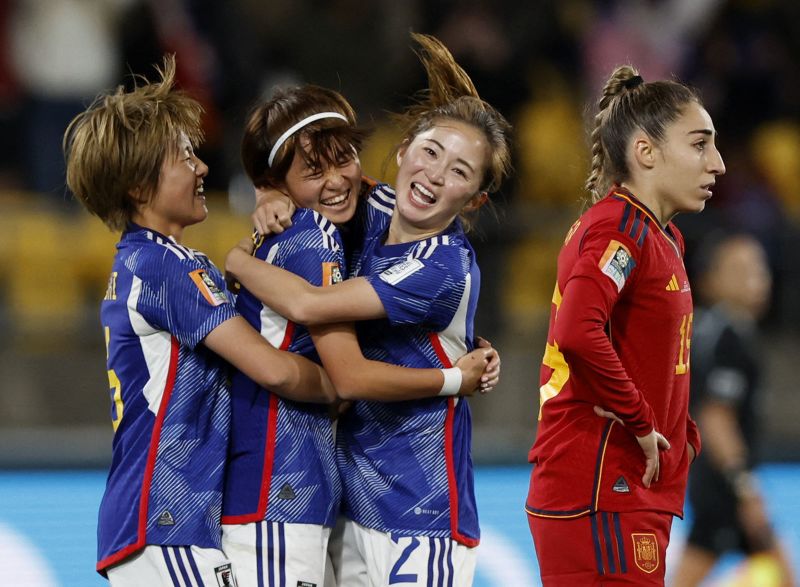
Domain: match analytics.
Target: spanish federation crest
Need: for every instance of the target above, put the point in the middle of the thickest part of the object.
(645, 552)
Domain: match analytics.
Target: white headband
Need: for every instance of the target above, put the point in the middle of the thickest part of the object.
(298, 126)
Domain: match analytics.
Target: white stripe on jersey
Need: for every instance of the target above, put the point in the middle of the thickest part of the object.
(454, 335)
(382, 202)
(272, 253)
(328, 230)
(156, 347)
(425, 249)
(180, 251)
(273, 326)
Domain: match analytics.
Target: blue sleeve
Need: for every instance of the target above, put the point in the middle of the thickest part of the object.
(184, 297)
(426, 292)
(319, 266)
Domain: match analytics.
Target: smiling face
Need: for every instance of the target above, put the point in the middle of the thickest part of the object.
(440, 172)
(330, 189)
(688, 163)
(179, 200)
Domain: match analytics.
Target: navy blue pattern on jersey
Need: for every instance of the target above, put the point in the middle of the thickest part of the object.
(170, 402)
(281, 463)
(406, 466)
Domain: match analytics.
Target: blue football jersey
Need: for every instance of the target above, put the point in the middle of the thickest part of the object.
(170, 404)
(406, 466)
(282, 463)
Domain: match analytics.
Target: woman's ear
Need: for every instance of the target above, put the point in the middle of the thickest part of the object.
(138, 196)
(644, 151)
(476, 201)
(401, 152)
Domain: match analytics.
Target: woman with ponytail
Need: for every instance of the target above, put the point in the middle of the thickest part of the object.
(615, 440)
(408, 502)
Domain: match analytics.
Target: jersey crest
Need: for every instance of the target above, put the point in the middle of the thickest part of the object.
(645, 551)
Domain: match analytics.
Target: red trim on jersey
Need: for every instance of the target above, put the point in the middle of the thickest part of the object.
(439, 350)
(269, 450)
(155, 437)
(448, 450)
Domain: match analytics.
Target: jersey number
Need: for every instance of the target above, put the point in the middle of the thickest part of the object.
(554, 359)
(394, 576)
(115, 387)
(685, 334)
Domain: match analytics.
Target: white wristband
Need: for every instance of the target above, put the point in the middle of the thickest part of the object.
(452, 381)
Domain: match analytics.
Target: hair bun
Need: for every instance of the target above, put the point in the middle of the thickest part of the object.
(633, 82)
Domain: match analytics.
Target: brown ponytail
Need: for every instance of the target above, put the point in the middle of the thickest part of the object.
(628, 103)
(452, 95)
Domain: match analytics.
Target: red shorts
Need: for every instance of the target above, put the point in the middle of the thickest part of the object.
(602, 549)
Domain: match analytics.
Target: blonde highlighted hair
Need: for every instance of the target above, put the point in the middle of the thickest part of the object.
(119, 143)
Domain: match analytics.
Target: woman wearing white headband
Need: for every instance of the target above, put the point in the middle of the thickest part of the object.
(409, 505)
(282, 492)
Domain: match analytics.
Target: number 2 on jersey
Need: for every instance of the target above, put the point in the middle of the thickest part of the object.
(116, 389)
(395, 577)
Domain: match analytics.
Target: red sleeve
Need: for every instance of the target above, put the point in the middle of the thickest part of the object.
(604, 269)
(693, 435)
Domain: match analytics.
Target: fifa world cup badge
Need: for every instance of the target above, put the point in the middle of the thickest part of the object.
(645, 551)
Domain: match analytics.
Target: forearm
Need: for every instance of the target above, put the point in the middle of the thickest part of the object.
(374, 380)
(304, 380)
(724, 443)
(283, 291)
(296, 299)
(287, 374)
(356, 377)
(581, 338)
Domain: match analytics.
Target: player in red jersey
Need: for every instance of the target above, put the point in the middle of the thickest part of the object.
(615, 439)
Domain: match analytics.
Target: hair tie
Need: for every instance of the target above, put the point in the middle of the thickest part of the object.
(293, 129)
(633, 82)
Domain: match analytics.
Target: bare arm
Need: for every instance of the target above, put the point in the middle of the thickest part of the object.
(722, 437)
(294, 298)
(356, 377)
(727, 451)
(286, 374)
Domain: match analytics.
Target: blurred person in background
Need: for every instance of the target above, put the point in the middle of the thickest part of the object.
(63, 52)
(615, 440)
(734, 281)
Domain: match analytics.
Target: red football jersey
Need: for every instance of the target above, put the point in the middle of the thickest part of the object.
(620, 329)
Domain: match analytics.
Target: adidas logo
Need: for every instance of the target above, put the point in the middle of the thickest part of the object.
(673, 284)
(166, 519)
(286, 492)
(621, 486)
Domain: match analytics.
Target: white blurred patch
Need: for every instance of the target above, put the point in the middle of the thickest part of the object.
(501, 562)
(21, 562)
